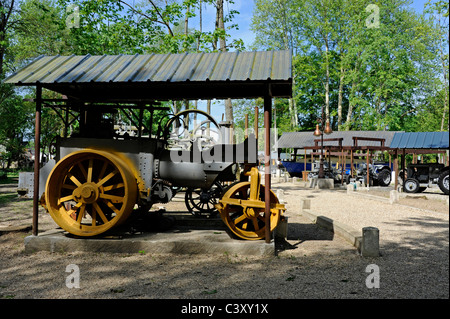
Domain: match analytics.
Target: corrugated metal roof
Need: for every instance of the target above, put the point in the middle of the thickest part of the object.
(421, 140)
(306, 139)
(196, 67)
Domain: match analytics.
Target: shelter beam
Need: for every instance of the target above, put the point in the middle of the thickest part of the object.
(37, 157)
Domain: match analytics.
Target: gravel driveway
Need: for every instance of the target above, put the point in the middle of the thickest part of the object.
(414, 262)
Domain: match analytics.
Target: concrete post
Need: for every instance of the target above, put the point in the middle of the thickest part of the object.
(282, 229)
(305, 203)
(370, 246)
(280, 196)
(393, 196)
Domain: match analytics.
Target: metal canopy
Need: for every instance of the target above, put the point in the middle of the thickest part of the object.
(162, 76)
(421, 140)
(302, 140)
(144, 79)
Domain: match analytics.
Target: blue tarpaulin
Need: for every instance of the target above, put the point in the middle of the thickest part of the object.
(421, 140)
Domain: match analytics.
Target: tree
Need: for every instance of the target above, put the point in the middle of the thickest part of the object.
(439, 11)
(7, 8)
(274, 27)
(372, 67)
(14, 123)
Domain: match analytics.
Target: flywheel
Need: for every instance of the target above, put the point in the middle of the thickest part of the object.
(89, 192)
(242, 209)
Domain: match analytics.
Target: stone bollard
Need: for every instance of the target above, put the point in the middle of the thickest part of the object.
(305, 203)
(282, 229)
(351, 188)
(280, 196)
(393, 197)
(370, 246)
(313, 182)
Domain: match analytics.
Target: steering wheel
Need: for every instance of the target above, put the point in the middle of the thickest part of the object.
(176, 131)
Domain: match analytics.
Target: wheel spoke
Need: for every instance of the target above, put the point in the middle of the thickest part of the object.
(90, 168)
(83, 171)
(103, 170)
(81, 214)
(113, 198)
(107, 178)
(94, 217)
(115, 186)
(74, 208)
(100, 212)
(65, 199)
(74, 179)
(111, 206)
(255, 223)
(239, 219)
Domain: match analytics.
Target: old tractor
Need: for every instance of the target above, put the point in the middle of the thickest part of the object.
(101, 177)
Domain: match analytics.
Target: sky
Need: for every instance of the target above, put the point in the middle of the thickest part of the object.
(245, 8)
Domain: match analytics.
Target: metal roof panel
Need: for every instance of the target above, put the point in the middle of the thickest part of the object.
(421, 140)
(162, 76)
(222, 66)
(205, 67)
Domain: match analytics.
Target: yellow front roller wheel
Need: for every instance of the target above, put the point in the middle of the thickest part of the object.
(244, 214)
(89, 192)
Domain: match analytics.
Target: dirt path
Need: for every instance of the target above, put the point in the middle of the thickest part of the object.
(317, 265)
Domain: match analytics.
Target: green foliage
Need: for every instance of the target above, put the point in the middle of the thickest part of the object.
(30, 28)
(386, 77)
(14, 123)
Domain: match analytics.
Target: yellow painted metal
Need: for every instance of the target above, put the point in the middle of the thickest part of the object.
(242, 208)
(90, 191)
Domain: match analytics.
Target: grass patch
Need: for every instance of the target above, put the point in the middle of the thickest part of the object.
(9, 177)
(7, 197)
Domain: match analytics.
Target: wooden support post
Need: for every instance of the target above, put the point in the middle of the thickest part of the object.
(37, 157)
(368, 163)
(396, 169)
(267, 126)
(256, 122)
(351, 163)
(403, 164)
(304, 175)
(246, 127)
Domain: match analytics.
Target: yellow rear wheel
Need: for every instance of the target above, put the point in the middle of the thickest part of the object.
(89, 192)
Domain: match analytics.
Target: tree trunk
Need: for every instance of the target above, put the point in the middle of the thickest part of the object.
(350, 106)
(223, 47)
(341, 89)
(5, 14)
(327, 83)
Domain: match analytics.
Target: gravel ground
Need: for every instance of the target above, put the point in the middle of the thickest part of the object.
(318, 265)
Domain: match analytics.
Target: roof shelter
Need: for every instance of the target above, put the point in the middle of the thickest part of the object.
(300, 140)
(418, 143)
(341, 144)
(146, 79)
(421, 141)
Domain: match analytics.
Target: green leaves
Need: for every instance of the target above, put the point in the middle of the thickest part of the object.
(374, 78)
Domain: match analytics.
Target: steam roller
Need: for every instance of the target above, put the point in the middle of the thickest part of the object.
(95, 184)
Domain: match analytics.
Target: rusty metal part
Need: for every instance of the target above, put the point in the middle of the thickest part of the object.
(242, 208)
(89, 192)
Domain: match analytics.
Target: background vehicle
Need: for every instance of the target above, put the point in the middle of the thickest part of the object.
(380, 174)
(421, 176)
